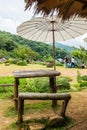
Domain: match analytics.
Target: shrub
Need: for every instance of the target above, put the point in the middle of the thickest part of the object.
(59, 64)
(84, 77)
(83, 84)
(13, 61)
(82, 80)
(22, 63)
(37, 85)
(63, 82)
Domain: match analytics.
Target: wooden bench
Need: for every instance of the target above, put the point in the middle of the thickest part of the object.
(41, 96)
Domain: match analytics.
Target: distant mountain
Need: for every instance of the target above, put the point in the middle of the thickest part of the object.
(62, 46)
(9, 42)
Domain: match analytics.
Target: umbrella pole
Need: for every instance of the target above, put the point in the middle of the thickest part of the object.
(53, 44)
(54, 103)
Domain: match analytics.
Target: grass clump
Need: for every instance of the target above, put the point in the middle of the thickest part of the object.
(82, 80)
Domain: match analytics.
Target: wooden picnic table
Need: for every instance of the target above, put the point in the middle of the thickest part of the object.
(51, 74)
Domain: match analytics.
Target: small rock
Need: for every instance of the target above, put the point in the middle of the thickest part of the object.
(55, 121)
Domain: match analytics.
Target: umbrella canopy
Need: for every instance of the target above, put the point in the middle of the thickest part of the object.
(51, 29)
(64, 8)
(85, 40)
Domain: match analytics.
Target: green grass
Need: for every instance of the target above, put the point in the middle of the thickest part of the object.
(28, 107)
(69, 122)
(30, 85)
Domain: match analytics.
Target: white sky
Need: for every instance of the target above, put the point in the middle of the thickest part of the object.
(12, 14)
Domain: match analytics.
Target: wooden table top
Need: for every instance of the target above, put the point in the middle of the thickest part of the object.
(35, 73)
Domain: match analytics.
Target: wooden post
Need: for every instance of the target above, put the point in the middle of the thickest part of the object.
(20, 112)
(53, 89)
(16, 83)
(64, 105)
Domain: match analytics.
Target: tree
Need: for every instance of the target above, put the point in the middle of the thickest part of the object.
(81, 54)
(25, 53)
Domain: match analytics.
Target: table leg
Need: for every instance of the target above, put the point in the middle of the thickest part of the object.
(53, 88)
(16, 83)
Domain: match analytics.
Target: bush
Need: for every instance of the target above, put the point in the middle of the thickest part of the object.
(59, 64)
(37, 85)
(13, 61)
(84, 77)
(22, 63)
(63, 82)
(82, 80)
(83, 84)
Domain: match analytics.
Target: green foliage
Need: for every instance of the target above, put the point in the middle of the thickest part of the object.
(81, 54)
(78, 76)
(84, 77)
(63, 83)
(49, 59)
(30, 85)
(6, 80)
(83, 84)
(6, 91)
(69, 79)
(39, 62)
(59, 64)
(13, 61)
(22, 63)
(37, 85)
(82, 80)
(10, 112)
(37, 50)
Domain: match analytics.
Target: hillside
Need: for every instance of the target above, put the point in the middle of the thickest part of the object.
(62, 46)
(9, 42)
(22, 41)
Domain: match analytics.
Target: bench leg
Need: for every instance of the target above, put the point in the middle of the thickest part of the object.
(16, 93)
(64, 106)
(53, 89)
(20, 112)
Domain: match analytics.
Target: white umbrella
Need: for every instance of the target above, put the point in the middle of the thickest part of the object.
(85, 40)
(51, 29)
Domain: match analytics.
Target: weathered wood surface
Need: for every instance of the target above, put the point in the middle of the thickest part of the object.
(35, 73)
(44, 96)
(16, 83)
(41, 96)
(6, 85)
(51, 74)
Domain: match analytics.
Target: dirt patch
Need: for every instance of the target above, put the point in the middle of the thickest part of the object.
(8, 70)
(77, 110)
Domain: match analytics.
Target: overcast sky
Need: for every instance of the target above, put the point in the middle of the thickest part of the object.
(12, 14)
